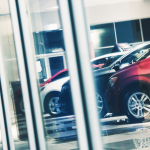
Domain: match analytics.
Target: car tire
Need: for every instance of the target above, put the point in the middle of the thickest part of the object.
(102, 111)
(52, 105)
(136, 103)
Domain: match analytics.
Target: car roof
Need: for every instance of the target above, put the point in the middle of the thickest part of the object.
(109, 55)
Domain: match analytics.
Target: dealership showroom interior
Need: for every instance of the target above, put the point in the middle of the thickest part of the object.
(74, 74)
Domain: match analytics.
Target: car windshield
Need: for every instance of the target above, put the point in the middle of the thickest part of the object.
(137, 55)
(138, 52)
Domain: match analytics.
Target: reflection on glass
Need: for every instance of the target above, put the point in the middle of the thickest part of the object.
(102, 51)
(122, 93)
(146, 29)
(142, 142)
(18, 121)
(56, 64)
(103, 35)
(128, 31)
(60, 126)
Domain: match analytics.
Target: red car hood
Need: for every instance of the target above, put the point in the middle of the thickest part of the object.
(130, 67)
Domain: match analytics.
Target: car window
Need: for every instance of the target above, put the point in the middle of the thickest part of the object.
(100, 63)
(61, 75)
(105, 62)
(112, 59)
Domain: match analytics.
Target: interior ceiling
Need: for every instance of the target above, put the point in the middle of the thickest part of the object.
(88, 3)
(51, 5)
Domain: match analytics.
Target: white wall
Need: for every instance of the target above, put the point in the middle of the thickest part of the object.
(112, 11)
(8, 48)
(40, 20)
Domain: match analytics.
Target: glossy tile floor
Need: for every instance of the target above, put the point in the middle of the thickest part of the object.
(117, 134)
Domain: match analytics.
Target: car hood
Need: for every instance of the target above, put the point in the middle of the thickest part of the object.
(126, 69)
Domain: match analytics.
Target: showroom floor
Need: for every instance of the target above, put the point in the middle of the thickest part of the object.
(117, 133)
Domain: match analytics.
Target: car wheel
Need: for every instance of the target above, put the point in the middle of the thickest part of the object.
(137, 105)
(52, 105)
(100, 105)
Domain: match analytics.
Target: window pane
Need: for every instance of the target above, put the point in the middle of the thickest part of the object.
(103, 51)
(56, 64)
(11, 71)
(119, 87)
(103, 35)
(59, 122)
(146, 29)
(128, 31)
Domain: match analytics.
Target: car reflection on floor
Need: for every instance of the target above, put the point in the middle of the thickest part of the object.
(117, 133)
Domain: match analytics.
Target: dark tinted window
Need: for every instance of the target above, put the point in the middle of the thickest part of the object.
(112, 59)
(128, 31)
(103, 51)
(46, 41)
(56, 64)
(104, 62)
(146, 29)
(61, 75)
(103, 35)
(100, 63)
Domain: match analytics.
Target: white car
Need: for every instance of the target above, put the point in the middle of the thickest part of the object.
(51, 91)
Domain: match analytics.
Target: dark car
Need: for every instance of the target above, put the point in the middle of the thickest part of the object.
(128, 90)
(101, 76)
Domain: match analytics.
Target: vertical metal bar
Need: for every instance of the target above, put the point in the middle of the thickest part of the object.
(141, 30)
(2, 126)
(6, 102)
(115, 33)
(31, 75)
(22, 73)
(80, 35)
(73, 71)
(64, 61)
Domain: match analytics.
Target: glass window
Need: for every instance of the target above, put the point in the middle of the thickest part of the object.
(47, 32)
(13, 85)
(48, 35)
(102, 51)
(103, 35)
(128, 31)
(56, 64)
(121, 90)
(146, 29)
(121, 79)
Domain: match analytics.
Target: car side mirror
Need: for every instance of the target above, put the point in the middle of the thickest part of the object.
(116, 66)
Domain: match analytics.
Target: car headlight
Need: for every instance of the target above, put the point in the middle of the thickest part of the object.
(112, 81)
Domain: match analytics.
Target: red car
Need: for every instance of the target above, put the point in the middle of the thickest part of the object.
(128, 90)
